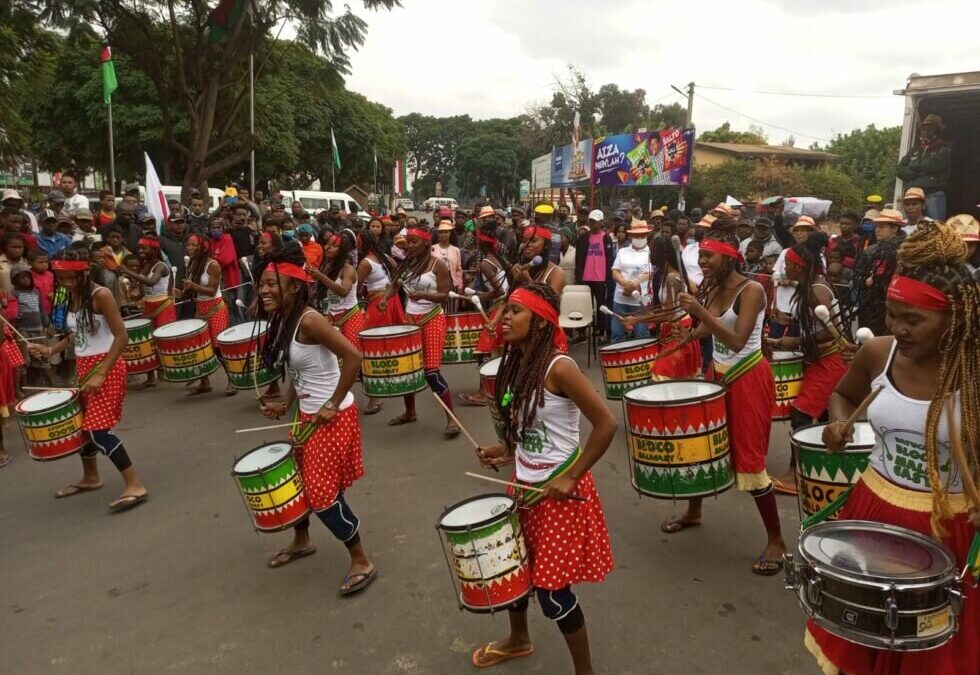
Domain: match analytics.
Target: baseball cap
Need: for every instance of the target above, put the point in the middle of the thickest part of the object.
(83, 214)
(596, 215)
(47, 214)
(56, 196)
(174, 217)
(305, 228)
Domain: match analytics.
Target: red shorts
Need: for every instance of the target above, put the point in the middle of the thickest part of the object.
(819, 381)
(102, 409)
(433, 338)
(876, 499)
(392, 316)
(491, 340)
(330, 461)
(215, 312)
(683, 364)
(749, 408)
(354, 324)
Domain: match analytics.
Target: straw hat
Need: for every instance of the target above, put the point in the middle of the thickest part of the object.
(806, 221)
(724, 209)
(445, 226)
(966, 226)
(891, 216)
(638, 226)
(486, 212)
(914, 193)
(707, 221)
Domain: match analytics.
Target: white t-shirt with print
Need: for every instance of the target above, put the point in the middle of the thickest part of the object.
(633, 265)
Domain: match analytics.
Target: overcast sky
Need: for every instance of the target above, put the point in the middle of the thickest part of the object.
(498, 57)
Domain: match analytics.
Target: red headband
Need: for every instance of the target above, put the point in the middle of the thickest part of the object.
(542, 232)
(795, 257)
(69, 265)
(914, 292)
(486, 238)
(289, 270)
(152, 243)
(415, 232)
(194, 238)
(266, 235)
(334, 240)
(721, 248)
(542, 308)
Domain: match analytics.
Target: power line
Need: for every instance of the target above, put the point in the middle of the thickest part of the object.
(758, 121)
(792, 93)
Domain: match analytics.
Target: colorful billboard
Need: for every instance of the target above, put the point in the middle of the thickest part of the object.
(571, 165)
(645, 158)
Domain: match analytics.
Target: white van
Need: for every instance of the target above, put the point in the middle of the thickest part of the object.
(436, 203)
(313, 200)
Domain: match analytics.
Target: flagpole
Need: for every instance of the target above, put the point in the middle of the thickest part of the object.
(251, 121)
(333, 174)
(112, 154)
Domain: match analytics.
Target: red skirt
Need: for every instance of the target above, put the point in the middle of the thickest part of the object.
(683, 364)
(160, 310)
(392, 316)
(874, 498)
(103, 408)
(433, 338)
(354, 324)
(491, 340)
(567, 541)
(10, 350)
(8, 376)
(330, 461)
(819, 381)
(749, 409)
(215, 312)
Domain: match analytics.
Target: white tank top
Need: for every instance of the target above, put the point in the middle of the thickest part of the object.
(899, 423)
(723, 354)
(161, 287)
(337, 303)
(377, 280)
(500, 277)
(552, 439)
(96, 339)
(426, 284)
(314, 372)
(205, 280)
(663, 297)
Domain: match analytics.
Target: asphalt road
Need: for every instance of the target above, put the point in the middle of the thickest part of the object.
(180, 583)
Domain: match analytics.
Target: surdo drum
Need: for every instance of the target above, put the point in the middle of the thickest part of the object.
(392, 361)
(626, 365)
(52, 424)
(185, 350)
(271, 485)
(822, 476)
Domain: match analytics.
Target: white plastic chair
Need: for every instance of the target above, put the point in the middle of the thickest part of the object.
(577, 312)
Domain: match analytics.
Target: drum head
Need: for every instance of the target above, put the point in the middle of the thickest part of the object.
(243, 331)
(626, 345)
(490, 368)
(476, 512)
(178, 328)
(675, 391)
(812, 437)
(136, 323)
(262, 457)
(388, 331)
(786, 356)
(876, 551)
(45, 400)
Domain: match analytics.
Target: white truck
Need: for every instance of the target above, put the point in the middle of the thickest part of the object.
(956, 98)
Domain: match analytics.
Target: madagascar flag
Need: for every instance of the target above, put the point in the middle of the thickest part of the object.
(109, 83)
(223, 17)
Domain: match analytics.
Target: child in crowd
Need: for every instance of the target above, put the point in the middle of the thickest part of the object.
(43, 278)
(753, 257)
(24, 311)
(114, 250)
(130, 292)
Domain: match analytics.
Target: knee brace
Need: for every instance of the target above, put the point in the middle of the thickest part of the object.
(437, 382)
(341, 521)
(556, 605)
(106, 442)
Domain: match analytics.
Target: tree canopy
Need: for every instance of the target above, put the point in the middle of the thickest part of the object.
(725, 134)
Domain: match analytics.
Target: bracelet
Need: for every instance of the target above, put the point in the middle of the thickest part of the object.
(330, 405)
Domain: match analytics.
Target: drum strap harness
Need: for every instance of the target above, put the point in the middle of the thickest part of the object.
(429, 316)
(742, 367)
(159, 309)
(346, 316)
(534, 497)
(212, 310)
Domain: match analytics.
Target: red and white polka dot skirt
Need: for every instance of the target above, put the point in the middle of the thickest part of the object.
(103, 408)
(330, 461)
(15, 358)
(433, 338)
(218, 319)
(350, 328)
(567, 540)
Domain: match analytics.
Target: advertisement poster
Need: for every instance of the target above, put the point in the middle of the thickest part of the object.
(541, 172)
(646, 158)
(571, 165)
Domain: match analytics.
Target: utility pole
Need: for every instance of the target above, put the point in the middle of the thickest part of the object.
(688, 125)
(251, 120)
(112, 154)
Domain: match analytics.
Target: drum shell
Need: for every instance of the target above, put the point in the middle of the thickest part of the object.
(822, 476)
(53, 433)
(242, 362)
(787, 376)
(188, 356)
(462, 333)
(140, 352)
(679, 449)
(627, 365)
(274, 494)
(488, 383)
(392, 362)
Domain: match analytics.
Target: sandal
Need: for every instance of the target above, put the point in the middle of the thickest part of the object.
(363, 581)
(473, 400)
(373, 408)
(197, 391)
(126, 502)
(285, 556)
(230, 391)
(782, 488)
(75, 489)
(767, 568)
(480, 655)
(452, 431)
(674, 524)
(4, 461)
(400, 420)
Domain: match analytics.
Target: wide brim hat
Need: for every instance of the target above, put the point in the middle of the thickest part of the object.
(891, 217)
(914, 193)
(446, 226)
(638, 226)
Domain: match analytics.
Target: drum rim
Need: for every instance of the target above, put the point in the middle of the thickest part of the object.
(251, 336)
(876, 579)
(203, 326)
(482, 523)
(72, 396)
(722, 390)
(618, 346)
(850, 449)
(899, 644)
(289, 454)
(409, 328)
(493, 360)
(796, 356)
(137, 322)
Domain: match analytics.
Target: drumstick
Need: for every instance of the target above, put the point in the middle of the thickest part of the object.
(273, 426)
(956, 443)
(16, 332)
(187, 261)
(606, 310)
(529, 488)
(49, 388)
(824, 315)
(479, 307)
(455, 419)
(852, 420)
(675, 242)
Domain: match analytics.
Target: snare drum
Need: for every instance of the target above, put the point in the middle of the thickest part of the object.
(677, 437)
(876, 585)
(488, 387)
(462, 333)
(239, 351)
(185, 350)
(487, 550)
(140, 354)
(269, 480)
(392, 361)
(822, 476)
(787, 375)
(626, 365)
(52, 424)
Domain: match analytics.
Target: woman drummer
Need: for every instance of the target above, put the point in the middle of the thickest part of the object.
(267, 242)
(541, 394)
(201, 284)
(534, 265)
(99, 336)
(326, 435)
(155, 277)
(731, 309)
(374, 272)
(336, 291)
(427, 283)
(824, 363)
(933, 312)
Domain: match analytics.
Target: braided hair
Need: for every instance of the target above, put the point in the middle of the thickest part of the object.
(332, 267)
(412, 268)
(275, 350)
(733, 265)
(198, 264)
(811, 251)
(86, 289)
(935, 255)
(663, 257)
(372, 243)
(522, 372)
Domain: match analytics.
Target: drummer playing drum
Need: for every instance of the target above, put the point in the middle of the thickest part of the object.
(933, 312)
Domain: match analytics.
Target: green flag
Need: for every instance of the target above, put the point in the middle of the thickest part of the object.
(336, 152)
(223, 17)
(109, 83)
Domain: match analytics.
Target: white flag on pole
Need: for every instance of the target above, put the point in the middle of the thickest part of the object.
(156, 202)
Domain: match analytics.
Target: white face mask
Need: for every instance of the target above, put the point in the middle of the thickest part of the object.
(639, 242)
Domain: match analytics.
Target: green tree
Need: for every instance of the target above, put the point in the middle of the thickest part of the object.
(724, 134)
(868, 156)
(432, 143)
(488, 159)
(833, 184)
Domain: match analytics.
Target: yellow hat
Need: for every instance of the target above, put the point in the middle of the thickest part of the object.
(874, 199)
(231, 192)
(545, 209)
